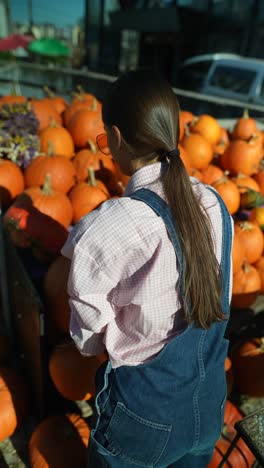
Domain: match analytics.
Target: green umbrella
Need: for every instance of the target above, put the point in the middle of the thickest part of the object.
(49, 47)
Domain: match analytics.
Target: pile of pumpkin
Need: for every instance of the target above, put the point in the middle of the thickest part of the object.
(70, 178)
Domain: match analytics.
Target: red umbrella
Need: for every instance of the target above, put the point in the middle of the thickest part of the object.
(14, 41)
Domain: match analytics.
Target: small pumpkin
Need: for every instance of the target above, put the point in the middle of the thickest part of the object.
(102, 164)
(72, 373)
(244, 183)
(245, 127)
(59, 441)
(86, 196)
(222, 144)
(11, 182)
(200, 151)
(229, 193)
(38, 218)
(81, 96)
(248, 365)
(242, 157)
(45, 112)
(252, 238)
(208, 127)
(60, 169)
(211, 174)
(12, 100)
(56, 295)
(246, 286)
(57, 140)
(57, 101)
(85, 125)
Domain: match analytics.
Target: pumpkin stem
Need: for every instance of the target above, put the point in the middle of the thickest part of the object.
(246, 267)
(80, 89)
(46, 189)
(48, 91)
(91, 177)
(94, 104)
(187, 130)
(245, 114)
(51, 151)
(92, 146)
(53, 122)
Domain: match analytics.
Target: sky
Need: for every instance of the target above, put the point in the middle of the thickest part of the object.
(59, 12)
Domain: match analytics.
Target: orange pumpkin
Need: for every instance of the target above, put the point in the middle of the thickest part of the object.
(57, 101)
(229, 193)
(244, 183)
(81, 95)
(45, 112)
(59, 441)
(244, 128)
(242, 157)
(12, 402)
(85, 197)
(12, 100)
(241, 456)
(246, 286)
(200, 151)
(56, 295)
(252, 238)
(259, 265)
(85, 125)
(51, 203)
(102, 164)
(223, 142)
(56, 140)
(208, 127)
(238, 254)
(60, 169)
(248, 365)
(72, 373)
(11, 182)
(211, 174)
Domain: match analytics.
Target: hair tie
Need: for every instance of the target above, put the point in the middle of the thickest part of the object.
(173, 153)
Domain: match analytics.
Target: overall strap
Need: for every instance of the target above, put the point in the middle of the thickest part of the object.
(226, 250)
(162, 209)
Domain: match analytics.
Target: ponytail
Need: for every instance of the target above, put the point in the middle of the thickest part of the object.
(201, 273)
(145, 109)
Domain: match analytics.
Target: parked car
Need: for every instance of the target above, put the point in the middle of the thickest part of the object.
(224, 75)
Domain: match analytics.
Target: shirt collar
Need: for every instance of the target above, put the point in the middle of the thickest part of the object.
(144, 176)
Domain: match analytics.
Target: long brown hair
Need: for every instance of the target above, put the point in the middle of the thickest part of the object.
(145, 109)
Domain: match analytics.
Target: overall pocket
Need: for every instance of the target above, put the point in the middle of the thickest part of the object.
(135, 439)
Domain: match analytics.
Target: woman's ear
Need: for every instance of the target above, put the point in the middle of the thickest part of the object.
(116, 135)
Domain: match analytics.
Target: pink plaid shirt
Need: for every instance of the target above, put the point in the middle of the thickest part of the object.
(124, 272)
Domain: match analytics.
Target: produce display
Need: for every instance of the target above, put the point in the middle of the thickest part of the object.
(51, 174)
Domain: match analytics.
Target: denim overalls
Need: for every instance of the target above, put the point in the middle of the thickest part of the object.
(168, 411)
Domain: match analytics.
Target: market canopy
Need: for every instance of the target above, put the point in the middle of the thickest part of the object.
(14, 41)
(49, 47)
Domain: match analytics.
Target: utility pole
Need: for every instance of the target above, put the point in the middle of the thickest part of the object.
(30, 15)
(8, 15)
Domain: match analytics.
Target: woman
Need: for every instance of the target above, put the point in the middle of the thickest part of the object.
(150, 282)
